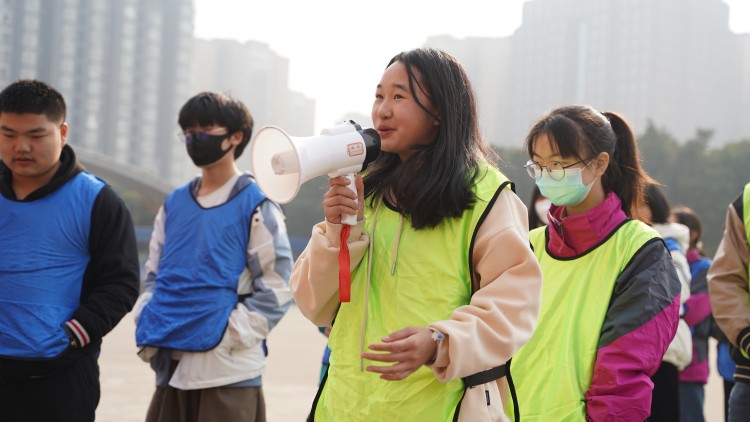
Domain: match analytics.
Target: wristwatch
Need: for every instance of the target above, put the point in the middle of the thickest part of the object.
(437, 336)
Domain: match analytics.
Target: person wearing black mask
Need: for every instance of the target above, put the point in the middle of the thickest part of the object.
(216, 277)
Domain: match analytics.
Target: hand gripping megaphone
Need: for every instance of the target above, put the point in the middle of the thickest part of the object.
(282, 163)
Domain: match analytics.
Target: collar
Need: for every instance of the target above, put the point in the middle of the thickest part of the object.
(693, 255)
(678, 232)
(573, 235)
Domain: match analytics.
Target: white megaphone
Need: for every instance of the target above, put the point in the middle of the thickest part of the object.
(282, 163)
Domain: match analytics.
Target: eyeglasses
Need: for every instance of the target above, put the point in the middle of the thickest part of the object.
(200, 137)
(555, 169)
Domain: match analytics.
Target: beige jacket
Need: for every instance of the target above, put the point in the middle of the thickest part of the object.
(728, 279)
(501, 317)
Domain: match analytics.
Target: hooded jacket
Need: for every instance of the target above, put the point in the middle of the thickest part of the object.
(680, 351)
(109, 284)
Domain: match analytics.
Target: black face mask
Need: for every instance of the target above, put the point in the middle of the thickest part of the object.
(205, 149)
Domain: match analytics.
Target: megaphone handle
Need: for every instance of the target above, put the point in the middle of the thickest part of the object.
(348, 219)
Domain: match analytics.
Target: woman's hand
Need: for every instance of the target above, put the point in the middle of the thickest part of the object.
(409, 348)
(341, 200)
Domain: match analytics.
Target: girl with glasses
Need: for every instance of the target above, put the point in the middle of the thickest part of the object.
(610, 297)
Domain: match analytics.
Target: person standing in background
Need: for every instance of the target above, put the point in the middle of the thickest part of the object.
(665, 404)
(216, 277)
(602, 332)
(69, 266)
(730, 298)
(694, 377)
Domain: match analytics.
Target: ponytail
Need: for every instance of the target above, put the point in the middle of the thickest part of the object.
(625, 175)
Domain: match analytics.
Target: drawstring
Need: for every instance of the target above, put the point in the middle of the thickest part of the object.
(394, 258)
(395, 249)
(367, 288)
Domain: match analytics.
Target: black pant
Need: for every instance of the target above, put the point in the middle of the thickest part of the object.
(727, 391)
(70, 393)
(665, 400)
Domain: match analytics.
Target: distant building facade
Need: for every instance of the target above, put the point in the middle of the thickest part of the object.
(122, 67)
(673, 62)
(744, 54)
(256, 75)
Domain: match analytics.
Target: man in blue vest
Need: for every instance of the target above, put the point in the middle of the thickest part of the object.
(69, 266)
(216, 277)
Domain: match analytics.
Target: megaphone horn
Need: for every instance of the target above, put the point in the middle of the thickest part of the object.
(282, 163)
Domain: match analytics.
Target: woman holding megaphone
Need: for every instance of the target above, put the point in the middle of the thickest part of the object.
(444, 286)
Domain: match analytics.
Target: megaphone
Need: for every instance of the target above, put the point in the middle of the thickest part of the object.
(282, 163)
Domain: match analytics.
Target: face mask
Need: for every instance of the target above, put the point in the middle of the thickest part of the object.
(542, 207)
(205, 149)
(570, 191)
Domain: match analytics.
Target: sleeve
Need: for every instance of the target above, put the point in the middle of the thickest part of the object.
(110, 284)
(639, 325)
(728, 281)
(155, 246)
(503, 313)
(682, 268)
(263, 287)
(315, 277)
(698, 307)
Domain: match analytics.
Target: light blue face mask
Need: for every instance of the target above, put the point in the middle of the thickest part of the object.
(569, 191)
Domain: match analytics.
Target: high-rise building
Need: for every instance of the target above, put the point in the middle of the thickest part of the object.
(6, 32)
(256, 75)
(744, 87)
(673, 62)
(122, 67)
(486, 61)
(669, 61)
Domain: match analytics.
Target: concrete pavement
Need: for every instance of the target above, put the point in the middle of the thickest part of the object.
(290, 381)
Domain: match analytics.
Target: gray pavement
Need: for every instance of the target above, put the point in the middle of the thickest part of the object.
(290, 381)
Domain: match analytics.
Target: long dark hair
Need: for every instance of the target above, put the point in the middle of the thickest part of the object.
(436, 181)
(576, 129)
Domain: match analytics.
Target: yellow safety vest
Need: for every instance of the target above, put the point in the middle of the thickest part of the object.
(553, 371)
(431, 278)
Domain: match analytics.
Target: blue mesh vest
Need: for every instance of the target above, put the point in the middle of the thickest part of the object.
(204, 254)
(45, 252)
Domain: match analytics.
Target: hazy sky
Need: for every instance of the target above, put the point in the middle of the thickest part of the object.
(337, 49)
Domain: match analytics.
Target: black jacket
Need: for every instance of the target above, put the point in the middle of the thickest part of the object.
(111, 279)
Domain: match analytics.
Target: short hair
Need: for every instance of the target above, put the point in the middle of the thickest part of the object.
(214, 108)
(28, 96)
(657, 203)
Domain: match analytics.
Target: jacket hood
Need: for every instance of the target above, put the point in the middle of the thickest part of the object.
(678, 232)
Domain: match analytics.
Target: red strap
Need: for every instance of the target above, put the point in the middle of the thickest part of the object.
(345, 274)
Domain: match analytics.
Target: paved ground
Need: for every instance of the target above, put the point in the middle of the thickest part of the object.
(290, 381)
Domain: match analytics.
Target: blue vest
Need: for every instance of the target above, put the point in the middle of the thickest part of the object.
(44, 252)
(673, 245)
(204, 255)
(699, 265)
